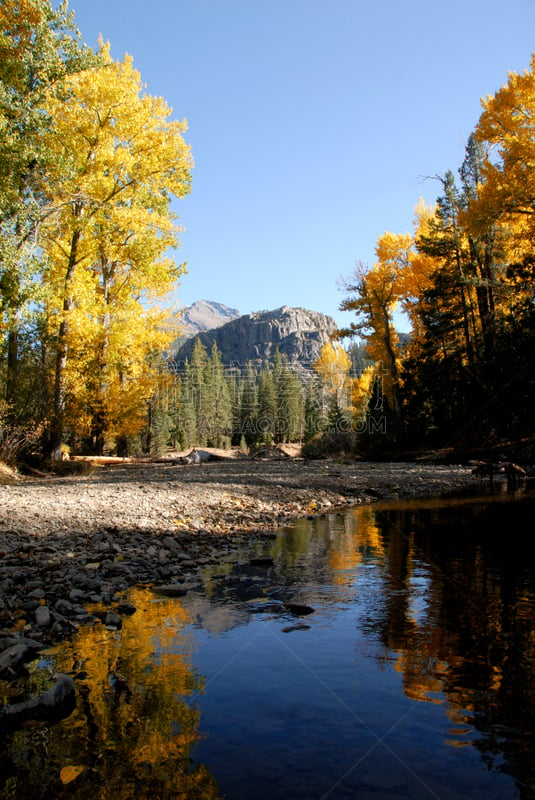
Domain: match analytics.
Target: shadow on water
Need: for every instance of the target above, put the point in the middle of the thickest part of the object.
(413, 677)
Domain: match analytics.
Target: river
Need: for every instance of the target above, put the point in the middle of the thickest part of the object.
(386, 652)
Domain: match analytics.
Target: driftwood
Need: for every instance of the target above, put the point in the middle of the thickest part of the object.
(488, 469)
(270, 452)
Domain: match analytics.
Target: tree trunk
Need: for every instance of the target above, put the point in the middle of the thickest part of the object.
(58, 414)
(12, 362)
(393, 367)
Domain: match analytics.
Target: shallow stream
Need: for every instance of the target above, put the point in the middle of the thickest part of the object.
(387, 652)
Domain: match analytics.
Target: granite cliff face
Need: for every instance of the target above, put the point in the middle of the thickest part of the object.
(297, 333)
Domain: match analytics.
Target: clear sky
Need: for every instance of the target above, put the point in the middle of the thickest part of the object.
(313, 124)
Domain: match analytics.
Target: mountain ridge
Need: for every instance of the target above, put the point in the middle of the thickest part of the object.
(298, 334)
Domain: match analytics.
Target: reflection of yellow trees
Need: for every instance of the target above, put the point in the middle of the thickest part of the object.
(458, 624)
(135, 714)
(423, 674)
(360, 536)
(341, 543)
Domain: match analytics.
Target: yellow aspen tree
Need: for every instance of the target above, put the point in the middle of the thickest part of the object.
(39, 46)
(506, 125)
(506, 193)
(374, 296)
(116, 160)
(333, 368)
(361, 391)
(417, 278)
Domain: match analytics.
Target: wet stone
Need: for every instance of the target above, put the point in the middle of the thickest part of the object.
(263, 561)
(126, 609)
(64, 607)
(37, 594)
(172, 589)
(32, 585)
(299, 609)
(113, 620)
(78, 596)
(300, 627)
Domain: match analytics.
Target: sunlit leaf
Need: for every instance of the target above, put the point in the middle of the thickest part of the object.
(70, 773)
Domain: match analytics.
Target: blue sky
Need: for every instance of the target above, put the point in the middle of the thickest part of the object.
(313, 125)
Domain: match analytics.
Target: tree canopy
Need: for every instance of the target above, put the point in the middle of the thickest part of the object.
(89, 164)
(464, 277)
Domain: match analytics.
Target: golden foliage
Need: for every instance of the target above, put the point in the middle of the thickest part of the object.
(116, 158)
(70, 773)
(361, 390)
(333, 367)
(138, 707)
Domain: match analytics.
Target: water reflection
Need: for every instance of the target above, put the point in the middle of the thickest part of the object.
(413, 678)
(473, 647)
(135, 726)
(442, 594)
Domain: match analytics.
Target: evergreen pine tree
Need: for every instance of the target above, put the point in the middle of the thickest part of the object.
(247, 423)
(267, 407)
(314, 421)
(216, 402)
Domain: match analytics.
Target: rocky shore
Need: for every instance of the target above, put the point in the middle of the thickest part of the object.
(70, 541)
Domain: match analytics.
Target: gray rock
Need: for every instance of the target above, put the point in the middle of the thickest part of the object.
(52, 706)
(297, 333)
(113, 620)
(7, 641)
(42, 617)
(13, 658)
(170, 543)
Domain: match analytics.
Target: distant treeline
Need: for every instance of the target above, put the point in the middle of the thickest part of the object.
(207, 403)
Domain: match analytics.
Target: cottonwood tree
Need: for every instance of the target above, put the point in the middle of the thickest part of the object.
(374, 295)
(39, 47)
(333, 366)
(116, 159)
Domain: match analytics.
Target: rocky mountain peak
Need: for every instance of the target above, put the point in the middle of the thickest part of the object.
(203, 315)
(299, 334)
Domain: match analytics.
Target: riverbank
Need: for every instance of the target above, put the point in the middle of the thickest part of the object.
(73, 540)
